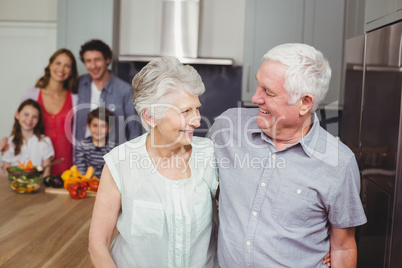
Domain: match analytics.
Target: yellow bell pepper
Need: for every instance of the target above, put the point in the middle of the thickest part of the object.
(90, 172)
(67, 174)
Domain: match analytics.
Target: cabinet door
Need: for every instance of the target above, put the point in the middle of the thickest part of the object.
(373, 238)
(80, 21)
(274, 22)
(268, 23)
(377, 9)
(398, 4)
(324, 30)
(140, 27)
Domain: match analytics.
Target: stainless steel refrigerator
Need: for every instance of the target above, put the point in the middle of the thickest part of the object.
(371, 127)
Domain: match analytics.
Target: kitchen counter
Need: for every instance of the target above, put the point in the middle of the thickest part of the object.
(43, 230)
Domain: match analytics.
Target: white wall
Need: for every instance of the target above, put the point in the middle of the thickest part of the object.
(27, 40)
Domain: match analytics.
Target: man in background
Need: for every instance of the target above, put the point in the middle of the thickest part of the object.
(101, 88)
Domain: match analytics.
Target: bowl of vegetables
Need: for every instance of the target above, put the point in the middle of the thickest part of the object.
(25, 178)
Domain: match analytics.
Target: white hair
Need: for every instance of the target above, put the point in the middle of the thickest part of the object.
(157, 80)
(308, 72)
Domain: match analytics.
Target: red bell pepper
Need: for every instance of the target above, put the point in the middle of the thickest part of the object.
(78, 190)
(93, 185)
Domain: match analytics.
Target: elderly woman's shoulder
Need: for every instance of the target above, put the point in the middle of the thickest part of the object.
(202, 143)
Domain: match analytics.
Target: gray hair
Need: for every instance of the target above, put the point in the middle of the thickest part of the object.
(308, 72)
(159, 78)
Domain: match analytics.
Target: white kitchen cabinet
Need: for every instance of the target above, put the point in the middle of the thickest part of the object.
(267, 24)
(80, 21)
(398, 5)
(273, 22)
(377, 9)
(381, 13)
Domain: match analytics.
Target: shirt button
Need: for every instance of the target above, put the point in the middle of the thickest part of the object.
(298, 191)
(273, 156)
(254, 213)
(248, 243)
(263, 184)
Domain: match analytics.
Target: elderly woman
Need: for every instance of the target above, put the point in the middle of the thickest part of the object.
(159, 188)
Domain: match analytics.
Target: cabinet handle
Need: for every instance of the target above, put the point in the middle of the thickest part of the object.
(248, 78)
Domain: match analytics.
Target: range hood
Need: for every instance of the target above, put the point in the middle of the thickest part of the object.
(180, 31)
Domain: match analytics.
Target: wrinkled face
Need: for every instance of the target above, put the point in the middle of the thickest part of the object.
(181, 118)
(275, 115)
(99, 129)
(61, 68)
(96, 64)
(28, 118)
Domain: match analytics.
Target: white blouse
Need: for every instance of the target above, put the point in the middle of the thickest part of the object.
(34, 149)
(164, 223)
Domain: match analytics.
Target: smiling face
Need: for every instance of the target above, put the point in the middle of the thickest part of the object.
(276, 117)
(96, 64)
(28, 118)
(99, 129)
(61, 68)
(182, 117)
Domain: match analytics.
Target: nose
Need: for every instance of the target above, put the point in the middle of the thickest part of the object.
(90, 64)
(257, 97)
(30, 120)
(195, 120)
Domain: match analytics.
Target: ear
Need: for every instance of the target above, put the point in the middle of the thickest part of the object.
(108, 61)
(150, 121)
(17, 115)
(307, 102)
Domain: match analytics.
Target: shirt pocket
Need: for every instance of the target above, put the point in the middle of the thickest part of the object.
(148, 218)
(203, 214)
(293, 205)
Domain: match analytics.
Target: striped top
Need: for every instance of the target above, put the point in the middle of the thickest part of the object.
(87, 154)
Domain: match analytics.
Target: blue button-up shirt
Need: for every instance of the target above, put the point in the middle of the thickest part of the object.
(276, 207)
(117, 97)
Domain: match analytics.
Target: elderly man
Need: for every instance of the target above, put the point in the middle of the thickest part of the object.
(289, 190)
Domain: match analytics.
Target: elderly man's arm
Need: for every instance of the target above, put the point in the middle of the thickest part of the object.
(343, 247)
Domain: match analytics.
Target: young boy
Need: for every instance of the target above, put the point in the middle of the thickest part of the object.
(91, 150)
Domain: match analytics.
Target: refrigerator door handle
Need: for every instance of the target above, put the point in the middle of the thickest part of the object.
(384, 69)
(400, 51)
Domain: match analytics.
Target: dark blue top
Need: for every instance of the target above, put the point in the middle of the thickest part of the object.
(117, 97)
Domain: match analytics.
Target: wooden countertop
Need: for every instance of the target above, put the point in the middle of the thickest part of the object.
(43, 230)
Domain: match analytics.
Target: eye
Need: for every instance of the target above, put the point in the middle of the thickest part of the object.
(268, 92)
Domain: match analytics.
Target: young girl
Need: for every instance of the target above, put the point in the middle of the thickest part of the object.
(27, 140)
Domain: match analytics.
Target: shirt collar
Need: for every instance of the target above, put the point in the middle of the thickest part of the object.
(308, 142)
(108, 86)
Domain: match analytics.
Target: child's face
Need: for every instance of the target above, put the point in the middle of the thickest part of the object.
(98, 129)
(28, 118)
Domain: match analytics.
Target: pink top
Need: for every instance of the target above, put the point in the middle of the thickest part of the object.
(54, 129)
